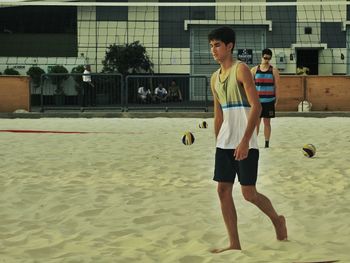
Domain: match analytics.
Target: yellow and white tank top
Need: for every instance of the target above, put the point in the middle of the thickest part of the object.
(235, 107)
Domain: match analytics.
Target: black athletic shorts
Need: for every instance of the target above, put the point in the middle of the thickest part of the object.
(268, 110)
(226, 167)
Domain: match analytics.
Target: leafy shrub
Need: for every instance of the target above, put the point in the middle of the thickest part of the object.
(35, 73)
(11, 71)
(58, 79)
(127, 59)
(78, 78)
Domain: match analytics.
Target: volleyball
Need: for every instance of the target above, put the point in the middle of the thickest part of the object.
(188, 138)
(309, 150)
(203, 125)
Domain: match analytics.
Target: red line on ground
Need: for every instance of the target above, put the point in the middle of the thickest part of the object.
(67, 132)
(43, 131)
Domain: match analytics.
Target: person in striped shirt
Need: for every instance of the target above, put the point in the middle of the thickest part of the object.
(267, 79)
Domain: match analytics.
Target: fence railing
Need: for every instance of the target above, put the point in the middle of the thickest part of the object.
(100, 91)
(69, 91)
(183, 92)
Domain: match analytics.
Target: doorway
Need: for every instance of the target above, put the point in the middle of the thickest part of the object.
(308, 58)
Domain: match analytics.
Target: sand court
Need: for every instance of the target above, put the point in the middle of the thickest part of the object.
(130, 191)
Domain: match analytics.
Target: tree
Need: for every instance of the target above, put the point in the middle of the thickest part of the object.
(127, 59)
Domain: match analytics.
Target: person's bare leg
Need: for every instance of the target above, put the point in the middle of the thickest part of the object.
(258, 126)
(264, 204)
(267, 131)
(230, 217)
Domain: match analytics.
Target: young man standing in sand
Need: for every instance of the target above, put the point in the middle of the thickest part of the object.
(236, 112)
(267, 79)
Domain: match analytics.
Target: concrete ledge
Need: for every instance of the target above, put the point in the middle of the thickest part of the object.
(110, 114)
(313, 114)
(37, 115)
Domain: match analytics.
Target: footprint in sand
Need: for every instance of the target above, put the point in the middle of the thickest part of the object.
(58, 208)
(92, 212)
(191, 259)
(145, 219)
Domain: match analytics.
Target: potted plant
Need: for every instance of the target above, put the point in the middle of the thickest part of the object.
(303, 71)
(57, 81)
(78, 79)
(35, 73)
(11, 71)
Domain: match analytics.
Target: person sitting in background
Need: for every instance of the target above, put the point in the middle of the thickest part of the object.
(160, 93)
(174, 92)
(144, 95)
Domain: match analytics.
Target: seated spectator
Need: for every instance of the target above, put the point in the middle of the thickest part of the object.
(174, 92)
(144, 95)
(160, 93)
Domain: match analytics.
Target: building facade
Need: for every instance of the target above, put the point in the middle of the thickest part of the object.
(313, 36)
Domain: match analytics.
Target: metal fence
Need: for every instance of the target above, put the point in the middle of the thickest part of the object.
(193, 92)
(69, 92)
(60, 91)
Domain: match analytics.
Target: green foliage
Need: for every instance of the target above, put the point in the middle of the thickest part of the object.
(303, 71)
(78, 69)
(35, 73)
(78, 78)
(57, 80)
(131, 58)
(58, 69)
(11, 71)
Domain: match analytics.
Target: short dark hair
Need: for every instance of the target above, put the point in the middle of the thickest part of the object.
(266, 51)
(224, 34)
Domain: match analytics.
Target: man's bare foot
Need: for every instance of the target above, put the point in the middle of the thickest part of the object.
(219, 250)
(281, 229)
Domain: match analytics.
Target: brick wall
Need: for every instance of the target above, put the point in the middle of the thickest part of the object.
(14, 93)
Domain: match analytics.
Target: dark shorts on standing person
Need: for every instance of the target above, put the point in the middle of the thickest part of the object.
(268, 110)
(226, 167)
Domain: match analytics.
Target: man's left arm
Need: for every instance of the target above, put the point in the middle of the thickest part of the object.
(244, 76)
(277, 83)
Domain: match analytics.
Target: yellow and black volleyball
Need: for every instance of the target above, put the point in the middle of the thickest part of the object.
(188, 138)
(203, 125)
(309, 150)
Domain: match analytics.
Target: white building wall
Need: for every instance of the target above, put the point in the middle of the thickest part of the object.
(240, 13)
(143, 26)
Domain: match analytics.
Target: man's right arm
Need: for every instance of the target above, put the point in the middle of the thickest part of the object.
(218, 116)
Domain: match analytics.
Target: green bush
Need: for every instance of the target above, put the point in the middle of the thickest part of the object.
(11, 71)
(78, 78)
(57, 80)
(78, 69)
(127, 59)
(35, 73)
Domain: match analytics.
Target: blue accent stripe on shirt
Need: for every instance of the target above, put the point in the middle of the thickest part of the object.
(259, 75)
(235, 105)
(265, 88)
(265, 100)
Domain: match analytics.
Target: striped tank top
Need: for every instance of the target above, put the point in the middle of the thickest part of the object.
(235, 108)
(264, 83)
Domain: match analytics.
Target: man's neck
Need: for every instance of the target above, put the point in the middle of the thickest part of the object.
(226, 65)
(264, 66)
